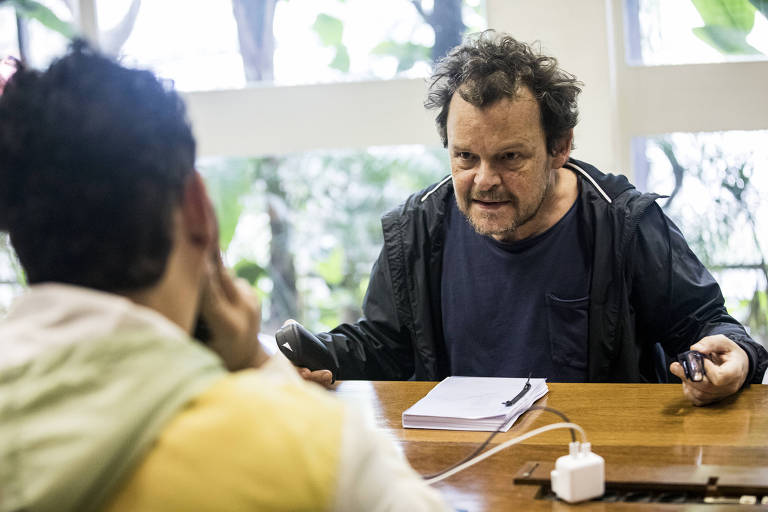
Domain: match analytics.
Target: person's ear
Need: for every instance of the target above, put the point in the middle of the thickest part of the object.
(562, 151)
(197, 212)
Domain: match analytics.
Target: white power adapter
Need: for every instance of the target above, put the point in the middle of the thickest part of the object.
(580, 475)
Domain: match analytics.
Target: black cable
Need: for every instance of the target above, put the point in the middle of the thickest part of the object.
(554, 411)
(478, 450)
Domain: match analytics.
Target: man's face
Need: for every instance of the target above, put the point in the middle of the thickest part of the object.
(502, 172)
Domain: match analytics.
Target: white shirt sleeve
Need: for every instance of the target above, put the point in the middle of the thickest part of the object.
(375, 476)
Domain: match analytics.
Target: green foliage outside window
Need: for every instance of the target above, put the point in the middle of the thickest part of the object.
(332, 203)
(716, 198)
(727, 24)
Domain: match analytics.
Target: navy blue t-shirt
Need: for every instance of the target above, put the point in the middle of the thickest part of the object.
(513, 308)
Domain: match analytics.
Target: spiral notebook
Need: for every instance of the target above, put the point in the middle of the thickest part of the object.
(474, 403)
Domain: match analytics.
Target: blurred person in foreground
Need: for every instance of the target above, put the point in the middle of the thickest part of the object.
(106, 401)
(527, 261)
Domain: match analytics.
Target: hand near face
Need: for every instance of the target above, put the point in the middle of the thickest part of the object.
(725, 372)
(233, 315)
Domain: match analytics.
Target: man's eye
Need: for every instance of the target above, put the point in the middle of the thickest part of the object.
(510, 156)
(464, 155)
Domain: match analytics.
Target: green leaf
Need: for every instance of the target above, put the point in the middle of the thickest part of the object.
(250, 271)
(736, 14)
(332, 268)
(341, 60)
(761, 5)
(226, 188)
(37, 11)
(407, 54)
(329, 29)
(362, 287)
(726, 40)
(728, 22)
(329, 318)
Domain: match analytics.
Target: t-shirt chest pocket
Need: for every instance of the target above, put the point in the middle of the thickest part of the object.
(567, 325)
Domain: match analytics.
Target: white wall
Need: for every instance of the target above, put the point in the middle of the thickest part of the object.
(276, 120)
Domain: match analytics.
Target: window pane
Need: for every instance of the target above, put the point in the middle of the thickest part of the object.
(8, 37)
(200, 51)
(43, 43)
(10, 274)
(226, 44)
(305, 228)
(702, 31)
(717, 184)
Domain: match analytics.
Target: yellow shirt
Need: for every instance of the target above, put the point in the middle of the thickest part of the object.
(250, 442)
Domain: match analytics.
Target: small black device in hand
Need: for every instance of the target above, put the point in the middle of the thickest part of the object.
(692, 362)
(303, 348)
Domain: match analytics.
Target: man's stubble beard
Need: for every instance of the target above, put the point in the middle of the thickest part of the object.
(512, 225)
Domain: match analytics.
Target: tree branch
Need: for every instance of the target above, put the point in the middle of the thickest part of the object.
(113, 40)
(417, 5)
(678, 170)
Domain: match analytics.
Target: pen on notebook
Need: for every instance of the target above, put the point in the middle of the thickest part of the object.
(521, 394)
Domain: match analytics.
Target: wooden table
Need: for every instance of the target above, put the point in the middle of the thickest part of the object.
(644, 426)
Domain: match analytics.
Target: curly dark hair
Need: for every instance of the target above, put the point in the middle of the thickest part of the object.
(489, 66)
(93, 159)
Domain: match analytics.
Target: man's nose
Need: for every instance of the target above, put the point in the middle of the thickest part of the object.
(486, 176)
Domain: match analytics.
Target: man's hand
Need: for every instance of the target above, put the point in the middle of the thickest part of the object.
(322, 377)
(233, 315)
(725, 372)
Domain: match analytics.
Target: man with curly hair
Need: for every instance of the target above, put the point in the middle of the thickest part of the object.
(527, 261)
(106, 401)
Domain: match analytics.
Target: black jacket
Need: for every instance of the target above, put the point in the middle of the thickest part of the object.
(648, 291)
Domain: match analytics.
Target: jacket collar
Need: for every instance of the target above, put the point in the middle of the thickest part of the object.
(609, 186)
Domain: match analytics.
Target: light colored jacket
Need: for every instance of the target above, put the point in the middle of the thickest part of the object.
(108, 405)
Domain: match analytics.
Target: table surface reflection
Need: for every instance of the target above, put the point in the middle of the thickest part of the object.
(640, 425)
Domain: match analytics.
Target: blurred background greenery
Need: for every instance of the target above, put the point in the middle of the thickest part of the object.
(303, 228)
